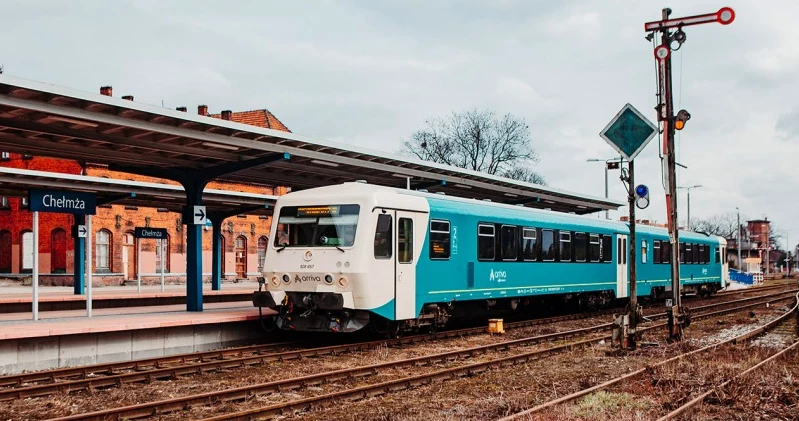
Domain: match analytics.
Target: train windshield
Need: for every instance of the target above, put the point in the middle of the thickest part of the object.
(317, 226)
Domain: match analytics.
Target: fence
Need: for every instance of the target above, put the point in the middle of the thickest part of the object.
(746, 278)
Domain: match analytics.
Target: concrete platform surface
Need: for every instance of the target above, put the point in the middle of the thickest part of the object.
(69, 338)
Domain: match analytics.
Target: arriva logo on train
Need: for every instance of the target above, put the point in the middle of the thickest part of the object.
(307, 278)
(498, 276)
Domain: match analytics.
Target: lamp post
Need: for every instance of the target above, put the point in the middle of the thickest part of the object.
(739, 239)
(688, 228)
(606, 161)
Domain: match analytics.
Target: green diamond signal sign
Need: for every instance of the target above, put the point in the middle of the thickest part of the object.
(629, 132)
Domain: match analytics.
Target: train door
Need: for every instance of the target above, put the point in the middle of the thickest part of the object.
(405, 266)
(725, 266)
(621, 266)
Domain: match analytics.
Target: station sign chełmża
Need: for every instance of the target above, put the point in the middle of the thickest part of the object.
(154, 233)
(629, 132)
(62, 201)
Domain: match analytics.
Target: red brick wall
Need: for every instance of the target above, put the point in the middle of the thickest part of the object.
(17, 221)
(118, 220)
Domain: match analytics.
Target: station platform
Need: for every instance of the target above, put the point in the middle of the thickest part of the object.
(69, 338)
(18, 299)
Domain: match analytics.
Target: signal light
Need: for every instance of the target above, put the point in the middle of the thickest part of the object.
(642, 191)
(681, 118)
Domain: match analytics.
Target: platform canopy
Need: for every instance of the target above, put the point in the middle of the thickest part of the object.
(17, 182)
(46, 120)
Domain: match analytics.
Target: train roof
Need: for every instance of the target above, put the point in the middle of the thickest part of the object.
(356, 189)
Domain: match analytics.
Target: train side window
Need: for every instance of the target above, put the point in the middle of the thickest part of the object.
(594, 252)
(439, 239)
(548, 245)
(656, 251)
(707, 254)
(718, 255)
(565, 246)
(607, 248)
(643, 251)
(405, 240)
(697, 254)
(619, 251)
(529, 239)
(665, 250)
(682, 252)
(485, 242)
(509, 239)
(580, 246)
(383, 237)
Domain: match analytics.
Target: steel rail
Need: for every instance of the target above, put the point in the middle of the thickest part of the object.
(246, 392)
(738, 339)
(156, 372)
(422, 379)
(137, 365)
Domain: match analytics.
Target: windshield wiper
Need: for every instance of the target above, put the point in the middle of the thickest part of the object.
(278, 250)
(338, 247)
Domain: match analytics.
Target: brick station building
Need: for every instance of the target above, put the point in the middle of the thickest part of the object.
(244, 237)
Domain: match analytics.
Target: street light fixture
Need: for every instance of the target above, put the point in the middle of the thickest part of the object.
(606, 161)
(689, 201)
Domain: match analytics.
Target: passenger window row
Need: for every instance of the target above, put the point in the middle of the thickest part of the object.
(690, 253)
(528, 244)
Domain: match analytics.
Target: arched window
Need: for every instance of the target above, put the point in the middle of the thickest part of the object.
(27, 252)
(58, 251)
(241, 257)
(5, 251)
(262, 242)
(162, 252)
(102, 250)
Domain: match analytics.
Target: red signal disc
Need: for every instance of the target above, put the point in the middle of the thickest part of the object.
(662, 52)
(725, 15)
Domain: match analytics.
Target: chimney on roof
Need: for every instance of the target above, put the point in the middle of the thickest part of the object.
(202, 109)
(226, 114)
(128, 97)
(181, 109)
(106, 90)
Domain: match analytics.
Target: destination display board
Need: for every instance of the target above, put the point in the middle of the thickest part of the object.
(306, 211)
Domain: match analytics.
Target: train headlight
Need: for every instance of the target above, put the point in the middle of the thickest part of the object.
(275, 281)
(286, 278)
(343, 282)
(329, 279)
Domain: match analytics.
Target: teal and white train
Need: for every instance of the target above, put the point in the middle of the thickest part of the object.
(354, 255)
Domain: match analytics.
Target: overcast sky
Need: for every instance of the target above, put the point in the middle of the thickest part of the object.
(368, 73)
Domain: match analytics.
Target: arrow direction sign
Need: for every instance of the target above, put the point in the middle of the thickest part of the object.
(82, 231)
(629, 132)
(199, 215)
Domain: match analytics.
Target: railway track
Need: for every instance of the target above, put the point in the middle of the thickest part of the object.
(686, 407)
(247, 392)
(116, 374)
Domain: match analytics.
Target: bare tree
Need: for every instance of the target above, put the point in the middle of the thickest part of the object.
(722, 224)
(478, 140)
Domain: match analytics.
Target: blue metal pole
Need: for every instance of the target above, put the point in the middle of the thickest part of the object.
(216, 269)
(194, 267)
(79, 256)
